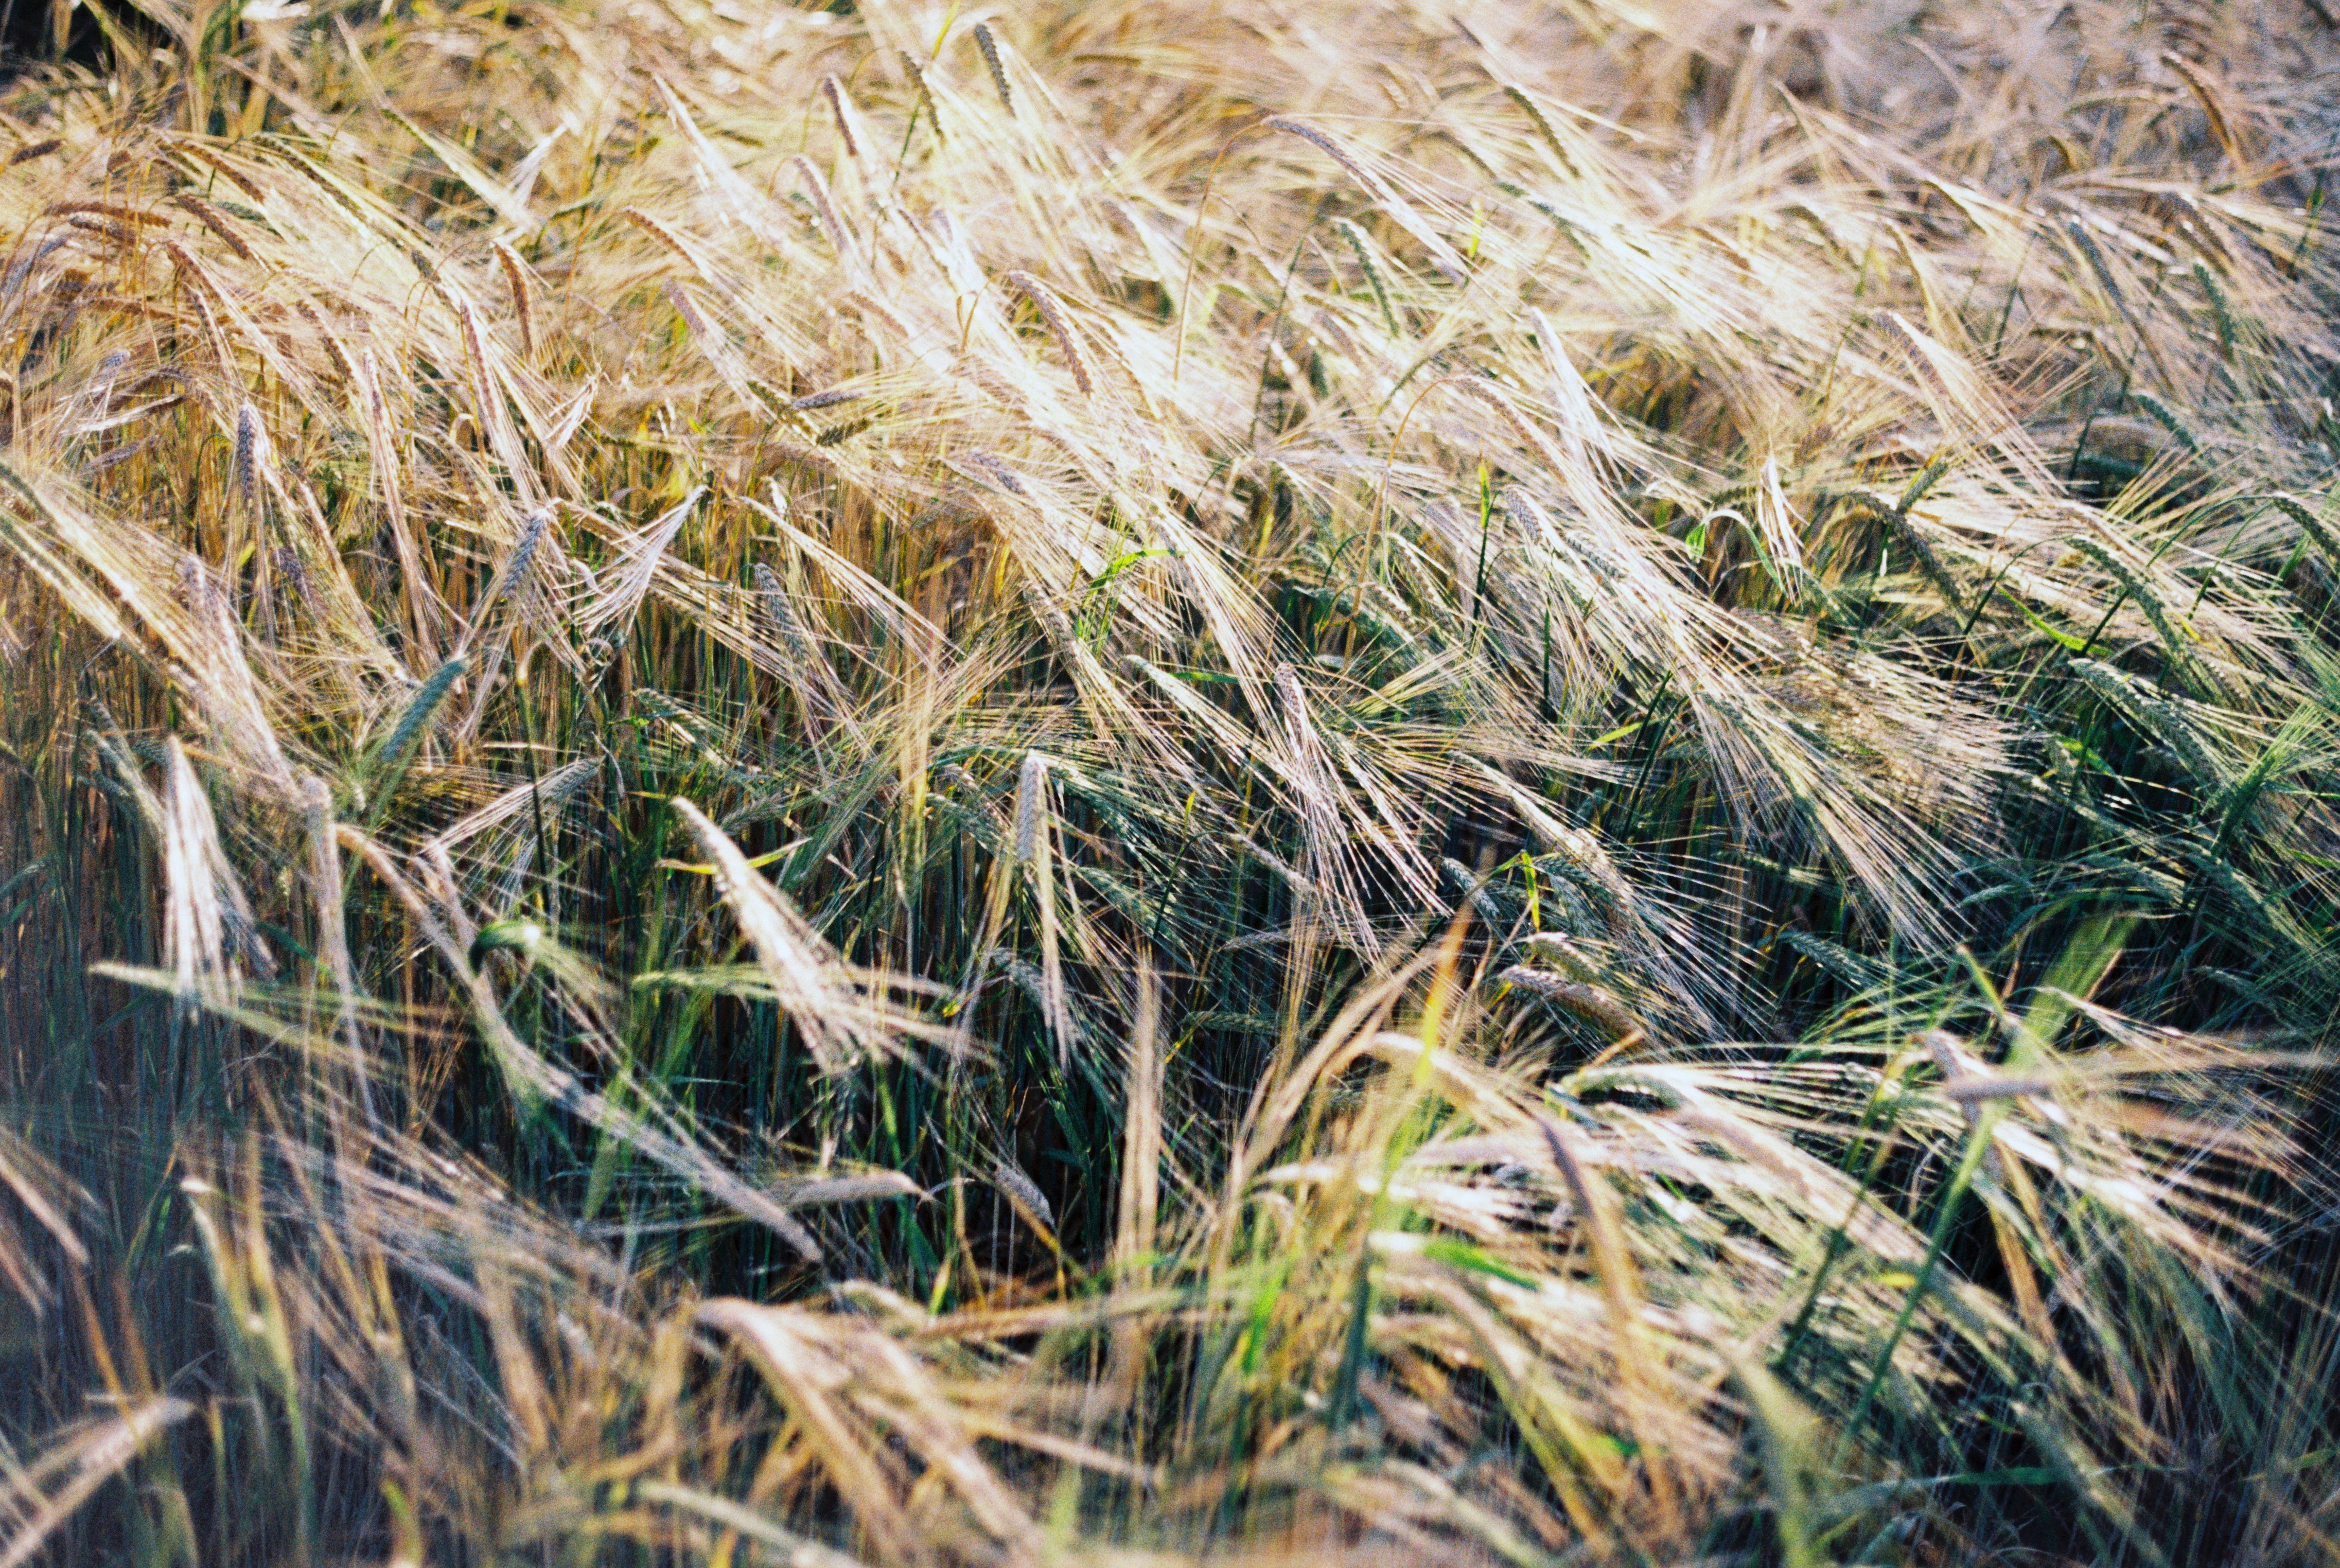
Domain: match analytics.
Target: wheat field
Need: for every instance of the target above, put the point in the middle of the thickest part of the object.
(1256, 783)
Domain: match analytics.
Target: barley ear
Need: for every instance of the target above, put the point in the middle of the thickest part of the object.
(1052, 314)
(993, 62)
(516, 280)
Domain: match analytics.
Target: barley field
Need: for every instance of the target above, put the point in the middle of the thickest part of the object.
(1270, 782)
